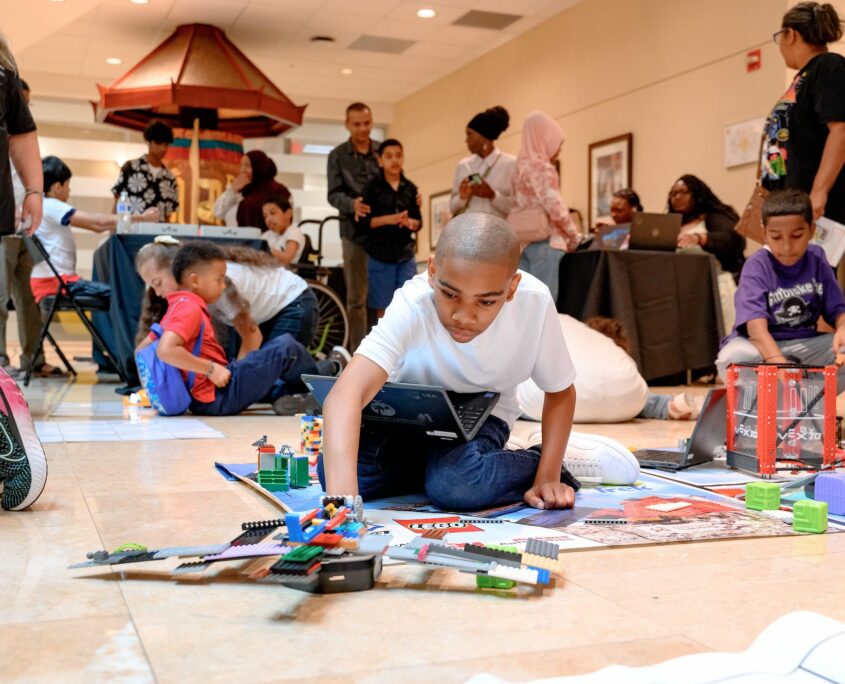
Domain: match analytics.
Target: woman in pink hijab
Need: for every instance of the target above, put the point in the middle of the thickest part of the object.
(538, 211)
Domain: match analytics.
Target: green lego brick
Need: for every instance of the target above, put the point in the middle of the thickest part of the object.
(487, 582)
(302, 554)
(299, 476)
(809, 516)
(273, 481)
(762, 496)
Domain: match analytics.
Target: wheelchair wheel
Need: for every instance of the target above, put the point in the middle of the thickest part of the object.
(332, 321)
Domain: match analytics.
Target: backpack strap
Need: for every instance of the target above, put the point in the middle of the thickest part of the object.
(196, 352)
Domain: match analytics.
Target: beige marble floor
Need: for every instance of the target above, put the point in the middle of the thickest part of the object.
(631, 606)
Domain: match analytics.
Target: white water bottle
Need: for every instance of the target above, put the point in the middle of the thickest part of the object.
(124, 217)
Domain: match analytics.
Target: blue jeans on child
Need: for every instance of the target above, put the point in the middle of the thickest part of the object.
(299, 318)
(263, 375)
(385, 279)
(456, 476)
(543, 262)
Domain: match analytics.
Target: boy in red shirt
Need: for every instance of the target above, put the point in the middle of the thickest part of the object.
(221, 387)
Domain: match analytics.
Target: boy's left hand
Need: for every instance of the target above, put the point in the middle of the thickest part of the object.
(550, 495)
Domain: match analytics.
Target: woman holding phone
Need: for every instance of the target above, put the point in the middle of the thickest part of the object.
(483, 180)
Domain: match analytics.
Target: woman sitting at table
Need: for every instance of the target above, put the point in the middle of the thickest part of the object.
(241, 204)
(707, 223)
(262, 300)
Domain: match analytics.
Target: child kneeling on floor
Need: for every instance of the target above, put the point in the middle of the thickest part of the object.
(471, 323)
(783, 291)
(224, 387)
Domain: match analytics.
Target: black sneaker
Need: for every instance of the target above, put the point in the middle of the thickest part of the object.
(339, 359)
(291, 404)
(23, 476)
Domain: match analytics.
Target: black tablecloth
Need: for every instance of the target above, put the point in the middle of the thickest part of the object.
(114, 263)
(668, 303)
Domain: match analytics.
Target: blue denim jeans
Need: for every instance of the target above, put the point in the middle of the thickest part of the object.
(385, 279)
(456, 476)
(543, 262)
(299, 318)
(263, 375)
(656, 406)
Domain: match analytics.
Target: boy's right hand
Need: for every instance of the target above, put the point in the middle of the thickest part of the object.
(360, 209)
(219, 375)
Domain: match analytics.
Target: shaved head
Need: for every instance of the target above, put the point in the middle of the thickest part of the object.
(479, 237)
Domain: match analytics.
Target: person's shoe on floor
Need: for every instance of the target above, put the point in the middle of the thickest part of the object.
(335, 362)
(22, 476)
(291, 404)
(599, 459)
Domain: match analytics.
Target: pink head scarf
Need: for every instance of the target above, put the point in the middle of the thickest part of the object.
(541, 138)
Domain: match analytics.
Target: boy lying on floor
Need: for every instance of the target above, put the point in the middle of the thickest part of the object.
(471, 323)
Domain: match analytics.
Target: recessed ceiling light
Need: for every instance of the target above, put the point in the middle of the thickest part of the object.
(139, 2)
(114, 60)
(346, 72)
(426, 13)
(57, 0)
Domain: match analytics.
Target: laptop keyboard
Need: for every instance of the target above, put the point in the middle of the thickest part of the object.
(469, 415)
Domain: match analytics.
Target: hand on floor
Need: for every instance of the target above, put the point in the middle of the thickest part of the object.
(550, 495)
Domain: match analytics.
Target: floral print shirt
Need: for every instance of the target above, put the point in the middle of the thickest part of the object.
(147, 188)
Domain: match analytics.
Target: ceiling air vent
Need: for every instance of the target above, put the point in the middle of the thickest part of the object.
(390, 46)
(495, 21)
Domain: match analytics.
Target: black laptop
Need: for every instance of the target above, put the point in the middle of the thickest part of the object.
(420, 410)
(708, 435)
(612, 237)
(655, 231)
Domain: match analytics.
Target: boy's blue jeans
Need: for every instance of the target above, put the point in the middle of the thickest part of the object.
(263, 375)
(299, 318)
(456, 476)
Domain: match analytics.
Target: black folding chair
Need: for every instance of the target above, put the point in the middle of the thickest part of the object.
(66, 300)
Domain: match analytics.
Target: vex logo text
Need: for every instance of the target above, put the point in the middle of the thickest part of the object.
(452, 524)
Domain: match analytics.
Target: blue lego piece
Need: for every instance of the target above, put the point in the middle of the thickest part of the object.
(830, 487)
(543, 576)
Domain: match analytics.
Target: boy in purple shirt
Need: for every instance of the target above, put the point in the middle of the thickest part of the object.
(784, 289)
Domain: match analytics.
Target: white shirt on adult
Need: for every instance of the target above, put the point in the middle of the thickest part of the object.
(280, 240)
(226, 206)
(524, 341)
(501, 167)
(57, 238)
(268, 290)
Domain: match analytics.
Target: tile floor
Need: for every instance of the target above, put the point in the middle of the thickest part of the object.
(631, 606)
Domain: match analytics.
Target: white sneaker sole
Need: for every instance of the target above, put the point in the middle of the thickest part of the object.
(615, 464)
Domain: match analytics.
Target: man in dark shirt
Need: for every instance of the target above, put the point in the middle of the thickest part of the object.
(390, 226)
(351, 165)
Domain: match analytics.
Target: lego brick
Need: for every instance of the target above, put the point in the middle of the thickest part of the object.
(555, 566)
(461, 554)
(809, 516)
(762, 496)
(830, 488)
(186, 551)
(185, 568)
(605, 521)
(538, 547)
(374, 545)
(524, 575)
(262, 524)
(511, 558)
(248, 551)
(488, 582)
(283, 567)
(327, 539)
(304, 553)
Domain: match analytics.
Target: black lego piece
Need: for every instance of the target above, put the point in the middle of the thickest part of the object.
(255, 532)
(512, 558)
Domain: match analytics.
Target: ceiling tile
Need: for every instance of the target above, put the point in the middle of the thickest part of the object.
(368, 8)
(219, 13)
(463, 35)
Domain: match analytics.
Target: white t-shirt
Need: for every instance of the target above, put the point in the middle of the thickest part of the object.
(57, 237)
(280, 240)
(497, 170)
(524, 341)
(268, 290)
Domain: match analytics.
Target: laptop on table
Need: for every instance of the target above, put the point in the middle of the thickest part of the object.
(707, 436)
(655, 231)
(418, 410)
(612, 237)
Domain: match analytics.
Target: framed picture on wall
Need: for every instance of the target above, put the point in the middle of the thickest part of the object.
(439, 215)
(609, 170)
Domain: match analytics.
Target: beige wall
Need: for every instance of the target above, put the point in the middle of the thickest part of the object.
(672, 72)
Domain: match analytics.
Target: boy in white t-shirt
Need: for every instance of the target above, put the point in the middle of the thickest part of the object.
(286, 240)
(57, 238)
(472, 323)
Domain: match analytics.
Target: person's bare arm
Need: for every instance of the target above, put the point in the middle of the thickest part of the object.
(833, 157)
(761, 338)
(171, 350)
(25, 155)
(106, 223)
(285, 256)
(355, 388)
(548, 491)
(388, 220)
(251, 336)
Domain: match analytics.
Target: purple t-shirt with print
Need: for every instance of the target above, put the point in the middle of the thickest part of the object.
(791, 297)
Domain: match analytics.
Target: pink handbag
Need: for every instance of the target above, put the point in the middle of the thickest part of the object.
(530, 224)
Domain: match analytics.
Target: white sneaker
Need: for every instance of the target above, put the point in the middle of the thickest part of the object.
(598, 459)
